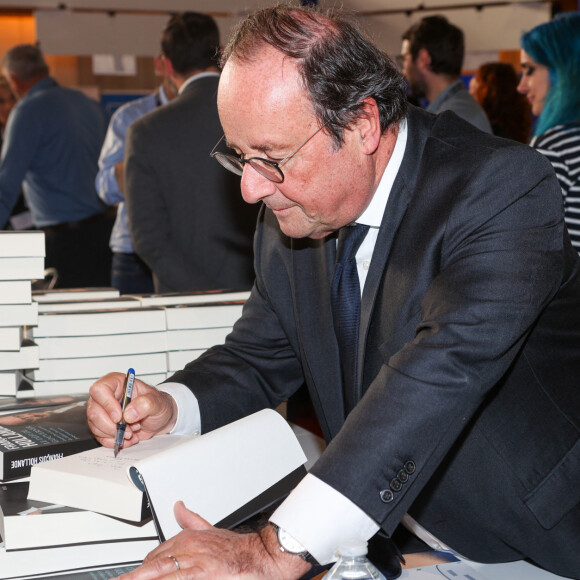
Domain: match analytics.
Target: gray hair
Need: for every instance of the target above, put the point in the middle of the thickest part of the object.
(25, 62)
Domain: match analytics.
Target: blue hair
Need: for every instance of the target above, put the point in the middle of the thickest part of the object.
(556, 45)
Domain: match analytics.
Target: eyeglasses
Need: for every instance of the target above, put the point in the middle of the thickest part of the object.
(265, 167)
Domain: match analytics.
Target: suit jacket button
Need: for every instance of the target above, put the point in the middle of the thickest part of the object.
(410, 467)
(386, 495)
(395, 484)
(403, 476)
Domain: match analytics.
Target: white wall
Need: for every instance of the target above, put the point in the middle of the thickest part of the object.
(77, 32)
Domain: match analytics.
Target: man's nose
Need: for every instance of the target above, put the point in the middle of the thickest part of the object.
(254, 186)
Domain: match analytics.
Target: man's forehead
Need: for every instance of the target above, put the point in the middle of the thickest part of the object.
(268, 85)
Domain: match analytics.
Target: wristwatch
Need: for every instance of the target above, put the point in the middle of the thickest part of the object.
(292, 546)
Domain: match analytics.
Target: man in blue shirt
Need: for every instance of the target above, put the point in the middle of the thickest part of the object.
(51, 146)
(129, 273)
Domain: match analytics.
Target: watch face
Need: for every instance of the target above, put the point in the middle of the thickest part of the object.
(289, 543)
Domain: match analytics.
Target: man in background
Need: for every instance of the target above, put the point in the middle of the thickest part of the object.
(432, 54)
(51, 146)
(186, 217)
(129, 273)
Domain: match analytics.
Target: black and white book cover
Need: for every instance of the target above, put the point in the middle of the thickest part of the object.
(32, 436)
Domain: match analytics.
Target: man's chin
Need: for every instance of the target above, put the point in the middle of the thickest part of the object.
(297, 231)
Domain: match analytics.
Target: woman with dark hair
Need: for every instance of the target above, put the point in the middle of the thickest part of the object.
(494, 86)
(551, 82)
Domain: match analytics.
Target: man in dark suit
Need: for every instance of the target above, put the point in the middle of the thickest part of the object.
(462, 409)
(186, 218)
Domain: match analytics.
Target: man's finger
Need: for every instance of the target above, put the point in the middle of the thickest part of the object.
(188, 519)
(157, 568)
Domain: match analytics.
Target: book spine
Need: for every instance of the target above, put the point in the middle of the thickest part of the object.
(19, 462)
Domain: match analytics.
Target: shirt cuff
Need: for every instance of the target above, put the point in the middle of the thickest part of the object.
(188, 415)
(320, 518)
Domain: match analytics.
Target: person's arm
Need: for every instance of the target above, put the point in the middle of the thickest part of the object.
(21, 140)
(107, 183)
(497, 272)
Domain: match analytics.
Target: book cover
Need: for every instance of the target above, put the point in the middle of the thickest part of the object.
(213, 315)
(177, 359)
(22, 244)
(36, 436)
(18, 314)
(104, 345)
(98, 322)
(196, 338)
(9, 381)
(177, 298)
(73, 559)
(21, 268)
(89, 304)
(29, 387)
(226, 475)
(62, 369)
(97, 573)
(15, 292)
(69, 294)
(25, 358)
(10, 404)
(26, 524)
(11, 337)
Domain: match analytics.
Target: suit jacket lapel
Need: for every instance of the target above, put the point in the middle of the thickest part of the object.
(419, 127)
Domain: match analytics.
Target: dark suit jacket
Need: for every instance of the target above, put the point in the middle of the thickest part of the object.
(186, 216)
(469, 407)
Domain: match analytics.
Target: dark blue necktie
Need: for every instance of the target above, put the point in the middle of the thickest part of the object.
(345, 297)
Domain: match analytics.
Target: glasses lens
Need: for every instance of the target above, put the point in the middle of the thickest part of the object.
(266, 170)
(230, 163)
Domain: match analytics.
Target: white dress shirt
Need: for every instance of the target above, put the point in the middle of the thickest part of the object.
(315, 514)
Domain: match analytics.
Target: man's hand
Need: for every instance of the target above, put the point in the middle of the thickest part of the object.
(120, 176)
(150, 412)
(202, 551)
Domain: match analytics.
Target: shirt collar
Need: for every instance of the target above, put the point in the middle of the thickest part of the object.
(373, 214)
(445, 94)
(45, 83)
(196, 77)
(163, 98)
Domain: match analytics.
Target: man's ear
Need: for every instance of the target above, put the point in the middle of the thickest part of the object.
(368, 126)
(423, 60)
(166, 67)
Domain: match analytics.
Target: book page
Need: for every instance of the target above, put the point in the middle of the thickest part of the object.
(219, 472)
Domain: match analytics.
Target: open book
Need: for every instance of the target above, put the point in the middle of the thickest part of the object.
(226, 475)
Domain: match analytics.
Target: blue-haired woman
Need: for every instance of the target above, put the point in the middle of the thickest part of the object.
(550, 59)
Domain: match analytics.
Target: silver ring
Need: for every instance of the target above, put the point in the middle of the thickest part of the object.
(175, 562)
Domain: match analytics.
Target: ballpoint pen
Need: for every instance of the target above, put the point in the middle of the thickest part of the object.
(127, 392)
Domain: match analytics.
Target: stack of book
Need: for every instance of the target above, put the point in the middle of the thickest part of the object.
(21, 262)
(57, 538)
(82, 340)
(197, 322)
(63, 538)
(83, 334)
